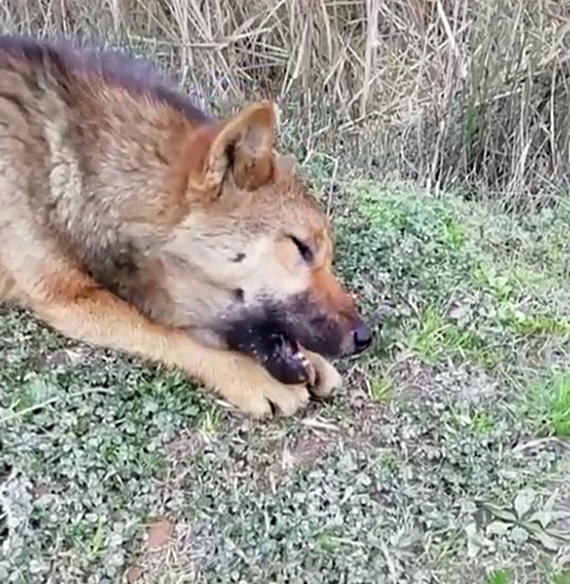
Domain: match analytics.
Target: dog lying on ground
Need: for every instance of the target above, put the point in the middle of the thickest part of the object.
(131, 220)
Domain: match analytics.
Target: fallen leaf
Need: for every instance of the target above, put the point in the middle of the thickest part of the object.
(548, 541)
(519, 535)
(133, 574)
(475, 540)
(158, 534)
(523, 502)
(501, 513)
(498, 528)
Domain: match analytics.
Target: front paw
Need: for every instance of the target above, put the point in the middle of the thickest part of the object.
(324, 377)
(251, 389)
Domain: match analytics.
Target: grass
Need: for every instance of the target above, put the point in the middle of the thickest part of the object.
(561, 578)
(498, 577)
(549, 403)
(379, 388)
(421, 468)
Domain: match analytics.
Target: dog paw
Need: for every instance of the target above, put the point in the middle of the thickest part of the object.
(324, 377)
(248, 387)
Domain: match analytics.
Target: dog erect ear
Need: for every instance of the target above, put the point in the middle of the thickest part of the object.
(243, 149)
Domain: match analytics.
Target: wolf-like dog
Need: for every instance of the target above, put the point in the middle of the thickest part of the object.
(130, 219)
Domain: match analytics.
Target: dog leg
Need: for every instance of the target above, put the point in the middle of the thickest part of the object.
(76, 307)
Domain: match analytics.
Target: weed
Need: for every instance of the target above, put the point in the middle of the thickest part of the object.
(380, 388)
(498, 577)
(561, 578)
(547, 404)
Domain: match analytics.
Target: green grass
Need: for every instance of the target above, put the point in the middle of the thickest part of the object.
(380, 388)
(548, 404)
(498, 577)
(443, 460)
(436, 336)
(561, 578)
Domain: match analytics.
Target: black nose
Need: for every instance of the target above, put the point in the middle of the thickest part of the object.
(362, 338)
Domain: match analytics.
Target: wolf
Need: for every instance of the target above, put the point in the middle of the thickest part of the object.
(134, 221)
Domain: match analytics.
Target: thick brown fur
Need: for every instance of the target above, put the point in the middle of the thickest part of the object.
(131, 220)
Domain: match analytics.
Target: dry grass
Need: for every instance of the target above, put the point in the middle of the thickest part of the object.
(470, 95)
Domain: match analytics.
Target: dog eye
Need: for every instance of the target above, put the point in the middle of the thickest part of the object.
(305, 251)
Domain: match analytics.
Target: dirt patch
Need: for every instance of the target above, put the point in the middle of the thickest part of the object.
(185, 445)
(70, 357)
(176, 561)
(416, 380)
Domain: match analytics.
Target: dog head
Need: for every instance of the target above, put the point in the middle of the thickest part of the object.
(250, 263)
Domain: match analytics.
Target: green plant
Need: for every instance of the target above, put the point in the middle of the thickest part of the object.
(498, 577)
(547, 404)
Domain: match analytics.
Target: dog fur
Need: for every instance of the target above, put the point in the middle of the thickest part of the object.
(132, 220)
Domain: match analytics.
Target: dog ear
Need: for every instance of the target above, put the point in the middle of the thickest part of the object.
(243, 149)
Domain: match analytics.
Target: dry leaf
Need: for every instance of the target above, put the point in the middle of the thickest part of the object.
(133, 574)
(158, 534)
(523, 502)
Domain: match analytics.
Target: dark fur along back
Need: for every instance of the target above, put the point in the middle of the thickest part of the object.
(135, 74)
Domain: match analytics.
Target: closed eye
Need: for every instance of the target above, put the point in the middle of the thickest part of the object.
(305, 251)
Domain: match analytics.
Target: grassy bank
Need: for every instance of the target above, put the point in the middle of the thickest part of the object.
(443, 460)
